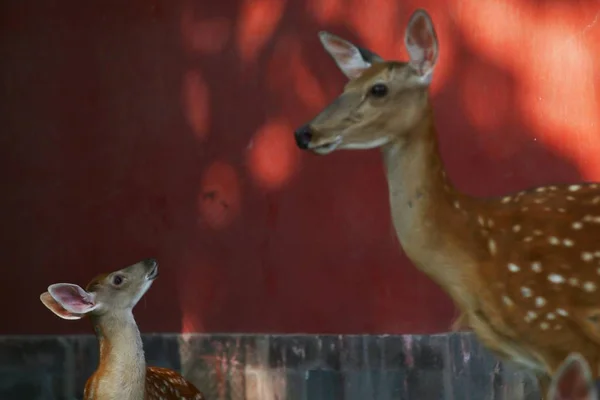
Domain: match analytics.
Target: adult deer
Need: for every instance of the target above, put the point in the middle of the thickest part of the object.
(523, 269)
(108, 300)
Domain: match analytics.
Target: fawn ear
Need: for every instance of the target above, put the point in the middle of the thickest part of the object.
(421, 42)
(573, 380)
(73, 298)
(352, 60)
(56, 308)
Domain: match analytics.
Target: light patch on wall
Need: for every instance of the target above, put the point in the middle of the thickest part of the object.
(219, 199)
(327, 11)
(206, 36)
(272, 154)
(479, 84)
(547, 50)
(191, 322)
(557, 94)
(257, 23)
(196, 103)
(306, 86)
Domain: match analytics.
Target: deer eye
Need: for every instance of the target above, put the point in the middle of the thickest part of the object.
(117, 280)
(378, 90)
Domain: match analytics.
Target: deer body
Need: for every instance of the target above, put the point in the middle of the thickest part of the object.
(523, 269)
(122, 373)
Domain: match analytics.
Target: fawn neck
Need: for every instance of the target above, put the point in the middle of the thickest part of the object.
(428, 213)
(122, 368)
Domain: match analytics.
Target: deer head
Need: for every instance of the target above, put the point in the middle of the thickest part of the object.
(107, 293)
(383, 101)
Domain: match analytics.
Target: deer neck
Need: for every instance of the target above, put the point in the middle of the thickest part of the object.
(121, 371)
(428, 213)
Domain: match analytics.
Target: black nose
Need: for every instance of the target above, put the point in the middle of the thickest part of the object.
(303, 136)
(150, 262)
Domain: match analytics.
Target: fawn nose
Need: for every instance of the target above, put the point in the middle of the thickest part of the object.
(152, 268)
(150, 262)
(303, 136)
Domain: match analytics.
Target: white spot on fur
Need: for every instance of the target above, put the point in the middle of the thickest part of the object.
(577, 225)
(525, 291)
(553, 240)
(562, 311)
(516, 228)
(573, 281)
(536, 266)
(556, 278)
(506, 199)
(568, 242)
(587, 256)
(544, 326)
(507, 300)
(550, 316)
(574, 188)
(540, 302)
(513, 267)
(492, 246)
(589, 286)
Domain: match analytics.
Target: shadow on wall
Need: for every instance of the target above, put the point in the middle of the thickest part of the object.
(154, 129)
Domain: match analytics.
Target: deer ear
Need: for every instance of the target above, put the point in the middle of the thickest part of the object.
(421, 42)
(73, 298)
(347, 56)
(56, 308)
(573, 379)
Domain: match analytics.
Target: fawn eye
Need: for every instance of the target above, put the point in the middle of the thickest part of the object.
(117, 280)
(378, 90)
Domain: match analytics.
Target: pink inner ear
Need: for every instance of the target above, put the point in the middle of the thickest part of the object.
(572, 381)
(338, 45)
(420, 34)
(342, 50)
(56, 308)
(72, 298)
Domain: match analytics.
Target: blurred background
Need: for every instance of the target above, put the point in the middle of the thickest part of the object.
(165, 129)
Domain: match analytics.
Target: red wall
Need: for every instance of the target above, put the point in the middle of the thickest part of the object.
(164, 128)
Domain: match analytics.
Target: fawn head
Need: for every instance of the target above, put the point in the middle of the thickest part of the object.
(573, 380)
(383, 100)
(119, 290)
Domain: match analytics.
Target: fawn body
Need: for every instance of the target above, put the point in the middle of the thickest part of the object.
(108, 300)
(523, 268)
(573, 380)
